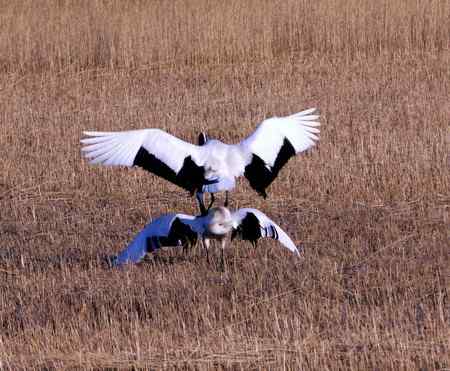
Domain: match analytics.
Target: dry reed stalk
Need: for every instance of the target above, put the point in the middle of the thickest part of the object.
(370, 204)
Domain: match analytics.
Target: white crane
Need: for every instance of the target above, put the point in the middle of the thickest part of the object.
(213, 166)
(182, 230)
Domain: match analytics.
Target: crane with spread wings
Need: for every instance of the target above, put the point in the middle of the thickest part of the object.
(214, 166)
(181, 230)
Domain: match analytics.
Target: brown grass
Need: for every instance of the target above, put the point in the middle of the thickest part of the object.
(370, 204)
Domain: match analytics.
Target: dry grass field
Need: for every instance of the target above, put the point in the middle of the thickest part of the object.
(370, 204)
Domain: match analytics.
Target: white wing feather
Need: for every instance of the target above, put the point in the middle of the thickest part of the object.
(160, 227)
(266, 222)
(120, 148)
(300, 129)
(137, 248)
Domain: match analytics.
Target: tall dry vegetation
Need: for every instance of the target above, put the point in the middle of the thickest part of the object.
(58, 35)
(370, 204)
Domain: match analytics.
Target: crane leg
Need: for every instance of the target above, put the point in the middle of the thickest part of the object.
(201, 203)
(226, 199)
(222, 248)
(213, 198)
(186, 246)
(206, 245)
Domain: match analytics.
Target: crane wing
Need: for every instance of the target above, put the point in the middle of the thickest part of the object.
(252, 224)
(154, 150)
(274, 142)
(167, 230)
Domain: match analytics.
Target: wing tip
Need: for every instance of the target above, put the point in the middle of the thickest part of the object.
(307, 111)
(93, 137)
(93, 133)
(90, 133)
(307, 118)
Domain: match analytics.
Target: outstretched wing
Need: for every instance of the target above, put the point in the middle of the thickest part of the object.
(152, 149)
(167, 230)
(252, 224)
(274, 142)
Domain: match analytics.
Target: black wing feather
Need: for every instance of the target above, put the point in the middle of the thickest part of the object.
(260, 175)
(191, 176)
(180, 234)
(249, 229)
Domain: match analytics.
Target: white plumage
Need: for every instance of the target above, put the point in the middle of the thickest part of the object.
(181, 230)
(121, 148)
(299, 129)
(214, 166)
